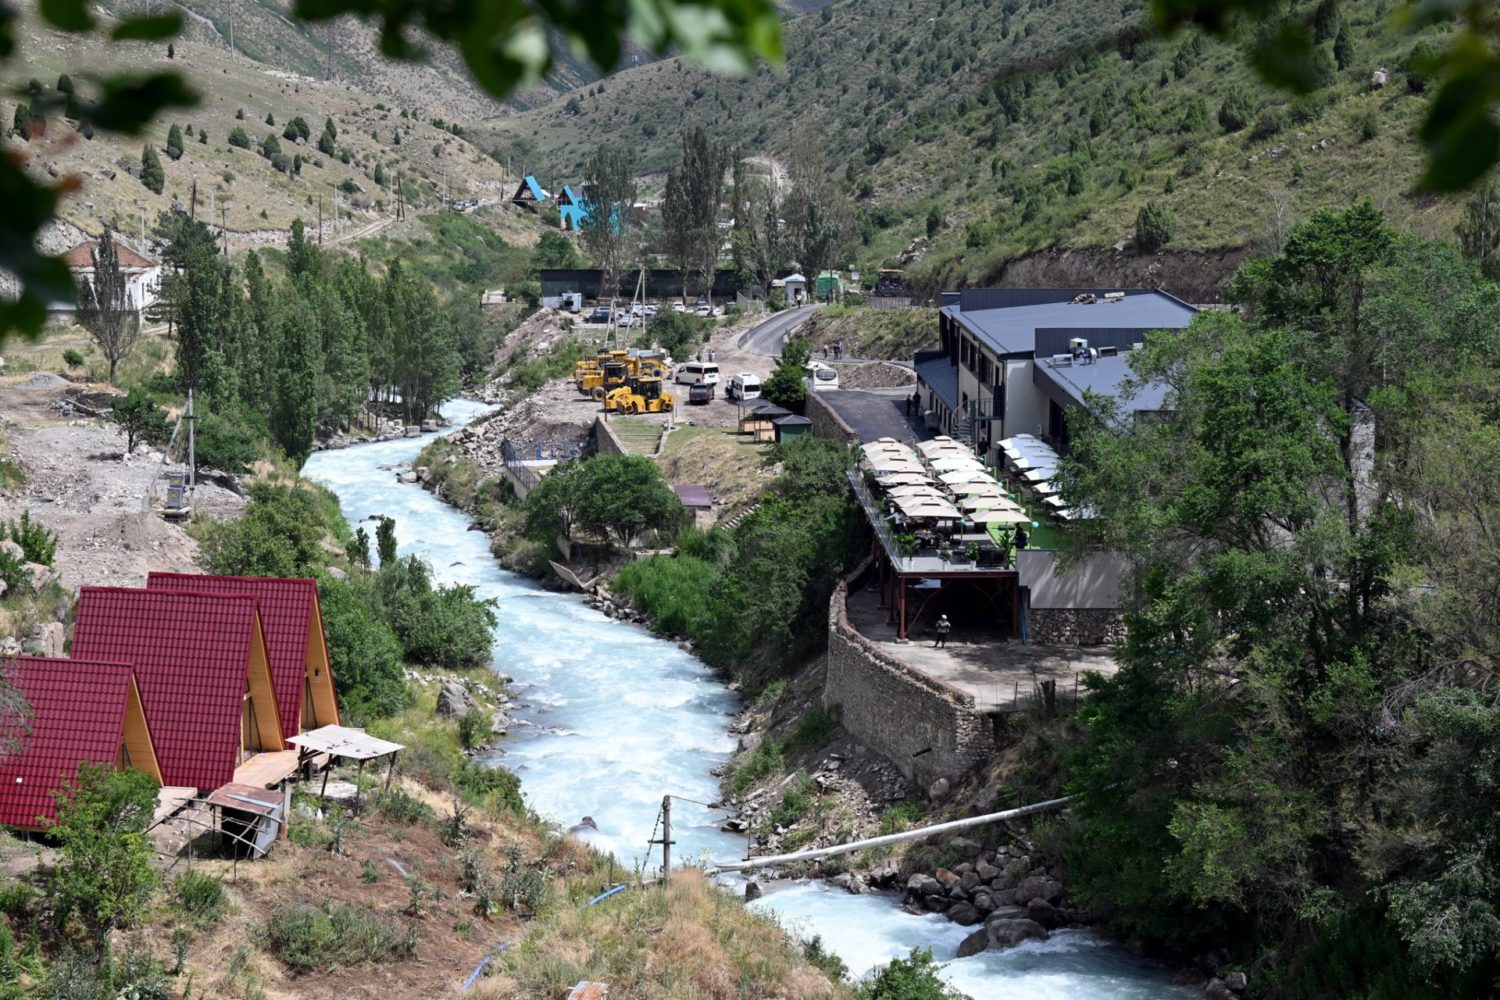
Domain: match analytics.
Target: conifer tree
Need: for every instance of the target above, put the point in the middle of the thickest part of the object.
(174, 142)
(152, 174)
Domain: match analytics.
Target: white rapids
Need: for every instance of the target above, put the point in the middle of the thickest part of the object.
(613, 718)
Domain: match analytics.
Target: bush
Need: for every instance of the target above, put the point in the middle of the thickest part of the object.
(914, 978)
(495, 787)
(279, 535)
(399, 805)
(72, 358)
(677, 333)
(1154, 227)
(764, 761)
(308, 937)
(239, 138)
(137, 414)
(1235, 113)
(473, 728)
(436, 626)
(1270, 123)
(38, 543)
(200, 896)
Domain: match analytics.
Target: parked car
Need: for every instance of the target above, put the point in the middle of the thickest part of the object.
(702, 309)
(628, 320)
(744, 386)
(678, 307)
(599, 315)
(694, 372)
(700, 393)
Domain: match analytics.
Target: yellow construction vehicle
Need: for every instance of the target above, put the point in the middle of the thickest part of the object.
(641, 394)
(599, 381)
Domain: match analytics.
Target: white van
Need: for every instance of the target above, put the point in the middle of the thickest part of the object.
(744, 386)
(820, 377)
(695, 372)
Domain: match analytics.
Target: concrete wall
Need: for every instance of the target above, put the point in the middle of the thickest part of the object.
(826, 423)
(898, 712)
(607, 442)
(1025, 404)
(1092, 582)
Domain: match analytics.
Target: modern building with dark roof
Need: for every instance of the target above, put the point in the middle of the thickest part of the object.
(986, 381)
(77, 711)
(295, 641)
(204, 674)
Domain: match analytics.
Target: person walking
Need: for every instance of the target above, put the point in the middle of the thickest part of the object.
(944, 626)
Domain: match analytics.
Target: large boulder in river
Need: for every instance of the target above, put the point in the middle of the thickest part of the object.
(920, 886)
(974, 943)
(453, 702)
(1006, 932)
(964, 913)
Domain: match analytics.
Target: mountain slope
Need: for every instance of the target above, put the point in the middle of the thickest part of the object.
(1022, 124)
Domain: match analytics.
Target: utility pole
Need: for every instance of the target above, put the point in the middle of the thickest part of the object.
(666, 840)
(143, 228)
(231, 32)
(320, 220)
(224, 226)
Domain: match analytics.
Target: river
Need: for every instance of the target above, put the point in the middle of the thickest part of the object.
(612, 719)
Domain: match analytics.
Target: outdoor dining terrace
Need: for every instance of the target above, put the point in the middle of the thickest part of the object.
(938, 511)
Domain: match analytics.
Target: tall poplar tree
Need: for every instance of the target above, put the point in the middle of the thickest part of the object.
(609, 193)
(105, 309)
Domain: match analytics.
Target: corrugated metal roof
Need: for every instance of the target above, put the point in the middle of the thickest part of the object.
(83, 256)
(192, 653)
(356, 744)
(1012, 329)
(1103, 376)
(941, 377)
(288, 613)
(77, 714)
(693, 495)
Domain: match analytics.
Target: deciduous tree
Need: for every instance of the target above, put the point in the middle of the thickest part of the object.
(105, 308)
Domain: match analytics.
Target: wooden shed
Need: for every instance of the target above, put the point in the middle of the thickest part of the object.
(203, 671)
(758, 420)
(296, 643)
(77, 711)
(791, 427)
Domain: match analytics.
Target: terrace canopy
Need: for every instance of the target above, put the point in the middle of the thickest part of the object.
(895, 479)
(966, 476)
(950, 463)
(1000, 517)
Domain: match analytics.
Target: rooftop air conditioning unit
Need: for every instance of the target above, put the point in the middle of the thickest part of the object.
(1137, 346)
(1078, 344)
(1113, 296)
(1108, 352)
(1062, 361)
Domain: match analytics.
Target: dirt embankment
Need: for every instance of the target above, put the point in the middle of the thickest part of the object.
(1191, 275)
(79, 482)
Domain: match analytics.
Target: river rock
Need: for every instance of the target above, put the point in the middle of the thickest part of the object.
(986, 871)
(1044, 913)
(984, 902)
(453, 702)
(1014, 872)
(920, 885)
(1217, 989)
(936, 904)
(884, 875)
(938, 790)
(1236, 981)
(752, 891)
(1007, 933)
(974, 943)
(1037, 887)
(969, 881)
(946, 877)
(408, 477)
(964, 913)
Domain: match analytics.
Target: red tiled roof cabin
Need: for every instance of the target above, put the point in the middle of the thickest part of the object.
(76, 711)
(203, 671)
(295, 642)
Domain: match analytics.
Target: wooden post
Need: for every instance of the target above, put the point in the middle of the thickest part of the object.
(359, 773)
(323, 792)
(391, 773)
(900, 608)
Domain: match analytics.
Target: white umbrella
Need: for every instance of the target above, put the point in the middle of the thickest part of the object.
(902, 479)
(966, 476)
(942, 448)
(885, 440)
(988, 503)
(934, 509)
(1000, 517)
(907, 492)
(891, 468)
(950, 463)
(1040, 473)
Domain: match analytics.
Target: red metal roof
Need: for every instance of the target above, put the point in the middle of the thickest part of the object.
(76, 713)
(288, 610)
(192, 655)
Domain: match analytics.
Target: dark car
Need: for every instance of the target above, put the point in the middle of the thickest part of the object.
(599, 315)
(700, 392)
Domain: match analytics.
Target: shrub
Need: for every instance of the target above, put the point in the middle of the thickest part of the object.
(764, 761)
(72, 358)
(200, 896)
(401, 806)
(436, 626)
(38, 543)
(473, 728)
(137, 414)
(174, 142)
(812, 949)
(239, 139)
(1270, 123)
(1369, 126)
(1235, 112)
(494, 787)
(1154, 227)
(815, 730)
(364, 653)
(309, 937)
(152, 175)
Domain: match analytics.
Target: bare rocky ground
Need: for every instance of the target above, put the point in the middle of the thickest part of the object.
(80, 484)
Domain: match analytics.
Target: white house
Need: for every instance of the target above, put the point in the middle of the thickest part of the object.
(142, 275)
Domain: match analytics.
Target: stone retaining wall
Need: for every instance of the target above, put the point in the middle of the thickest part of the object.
(607, 442)
(826, 423)
(927, 729)
(1075, 626)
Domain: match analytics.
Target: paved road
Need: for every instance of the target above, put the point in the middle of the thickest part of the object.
(767, 338)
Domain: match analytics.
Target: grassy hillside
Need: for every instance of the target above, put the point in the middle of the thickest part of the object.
(1021, 124)
(379, 142)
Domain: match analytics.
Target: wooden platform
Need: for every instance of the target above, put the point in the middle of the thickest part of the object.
(266, 770)
(170, 799)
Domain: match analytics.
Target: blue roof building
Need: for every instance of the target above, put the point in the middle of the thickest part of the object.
(573, 208)
(530, 194)
(1013, 360)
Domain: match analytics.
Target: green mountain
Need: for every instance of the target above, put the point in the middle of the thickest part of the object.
(1006, 128)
